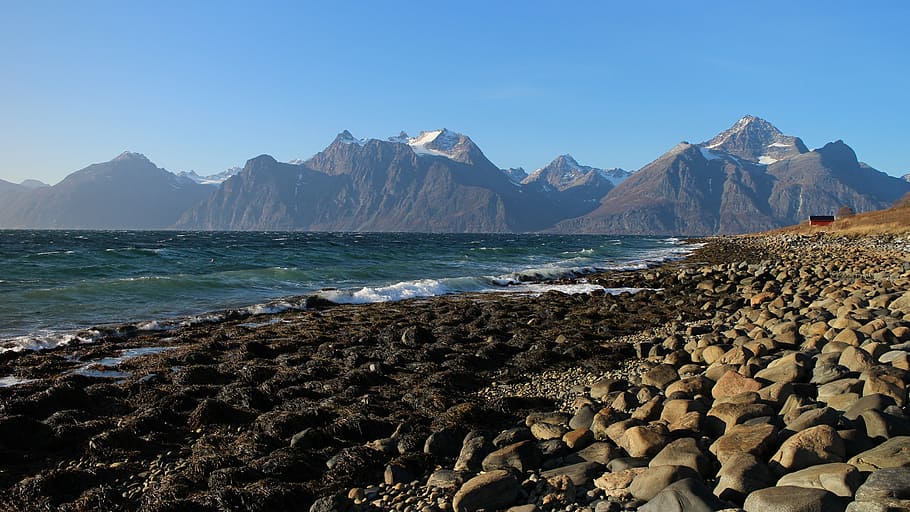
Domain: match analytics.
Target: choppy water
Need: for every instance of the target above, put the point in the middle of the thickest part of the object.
(55, 283)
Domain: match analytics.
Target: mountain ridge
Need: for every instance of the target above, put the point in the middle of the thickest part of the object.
(749, 177)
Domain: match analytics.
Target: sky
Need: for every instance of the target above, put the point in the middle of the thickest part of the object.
(206, 86)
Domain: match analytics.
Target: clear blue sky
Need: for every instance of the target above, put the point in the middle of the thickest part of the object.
(206, 85)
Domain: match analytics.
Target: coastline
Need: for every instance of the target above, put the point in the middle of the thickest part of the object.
(320, 406)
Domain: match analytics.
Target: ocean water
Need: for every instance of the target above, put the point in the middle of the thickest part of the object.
(60, 286)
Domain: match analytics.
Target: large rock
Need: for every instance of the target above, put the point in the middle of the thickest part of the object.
(838, 478)
(580, 474)
(602, 421)
(646, 485)
(686, 495)
(757, 440)
(522, 456)
(616, 484)
(816, 445)
(812, 418)
(886, 380)
(690, 387)
(496, 489)
(893, 453)
(598, 452)
(901, 303)
(660, 376)
(783, 372)
(856, 359)
(742, 474)
(582, 418)
(723, 416)
(605, 386)
(792, 499)
(644, 440)
(477, 445)
(546, 431)
(683, 452)
(732, 383)
(885, 489)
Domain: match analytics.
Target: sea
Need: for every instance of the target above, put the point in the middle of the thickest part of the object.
(57, 287)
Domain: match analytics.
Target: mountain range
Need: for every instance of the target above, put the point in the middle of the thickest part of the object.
(749, 177)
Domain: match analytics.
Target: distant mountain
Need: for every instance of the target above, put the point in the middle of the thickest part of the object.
(564, 173)
(575, 188)
(907, 177)
(211, 179)
(730, 185)
(756, 140)
(515, 174)
(9, 192)
(749, 177)
(31, 184)
(128, 192)
(439, 181)
(9, 187)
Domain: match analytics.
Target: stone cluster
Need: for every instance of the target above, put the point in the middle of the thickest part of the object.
(789, 395)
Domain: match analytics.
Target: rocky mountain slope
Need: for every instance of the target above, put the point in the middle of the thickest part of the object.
(128, 192)
(750, 177)
(439, 181)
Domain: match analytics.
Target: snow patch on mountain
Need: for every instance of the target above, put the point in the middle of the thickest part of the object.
(211, 179)
(436, 143)
(708, 154)
(756, 140)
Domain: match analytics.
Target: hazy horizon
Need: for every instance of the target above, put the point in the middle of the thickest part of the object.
(200, 88)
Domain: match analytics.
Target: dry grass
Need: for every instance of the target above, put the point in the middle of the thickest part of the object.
(895, 221)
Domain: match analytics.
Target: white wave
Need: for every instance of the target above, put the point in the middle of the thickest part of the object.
(571, 289)
(6, 382)
(152, 325)
(45, 339)
(574, 289)
(394, 292)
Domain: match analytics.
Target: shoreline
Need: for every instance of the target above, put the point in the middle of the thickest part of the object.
(520, 281)
(321, 406)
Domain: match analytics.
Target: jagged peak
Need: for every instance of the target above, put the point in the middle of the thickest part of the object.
(567, 159)
(746, 124)
(129, 155)
(442, 139)
(345, 137)
(756, 140)
(401, 138)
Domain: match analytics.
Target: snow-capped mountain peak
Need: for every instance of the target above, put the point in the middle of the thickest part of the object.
(447, 144)
(756, 140)
(565, 172)
(441, 142)
(345, 137)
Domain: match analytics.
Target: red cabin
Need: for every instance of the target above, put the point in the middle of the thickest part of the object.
(821, 220)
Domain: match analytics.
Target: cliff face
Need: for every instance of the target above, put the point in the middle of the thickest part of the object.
(372, 186)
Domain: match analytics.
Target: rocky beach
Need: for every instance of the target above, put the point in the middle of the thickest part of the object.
(762, 373)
